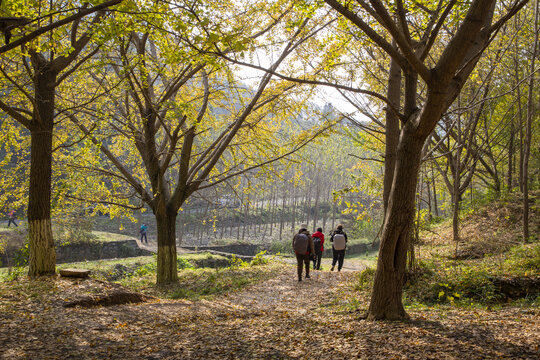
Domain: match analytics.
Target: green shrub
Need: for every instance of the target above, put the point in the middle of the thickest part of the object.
(21, 256)
(525, 257)
(259, 259)
(365, 279)
(71, 230)
(182, 263)
(14, 273)
(145, 270)
(437, 220)
(282, 247)
(449, 283)
(236, 263)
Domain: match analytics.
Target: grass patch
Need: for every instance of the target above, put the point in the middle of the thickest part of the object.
(104, 236)
(209, 283)
(202, 283)
(139, 274)
(369, 259)
(504, 278)
(494, 279)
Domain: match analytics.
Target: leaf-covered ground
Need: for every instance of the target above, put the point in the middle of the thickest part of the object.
(279, 318)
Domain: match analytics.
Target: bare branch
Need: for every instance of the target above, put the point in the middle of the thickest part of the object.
(26, 38)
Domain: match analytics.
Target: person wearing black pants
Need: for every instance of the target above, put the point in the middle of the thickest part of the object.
(12, 218)
(318, 244)
(339, 241)
(303, 246)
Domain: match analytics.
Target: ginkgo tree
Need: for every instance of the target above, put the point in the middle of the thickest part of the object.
(181, 121)
(32, 74)
(437, 54)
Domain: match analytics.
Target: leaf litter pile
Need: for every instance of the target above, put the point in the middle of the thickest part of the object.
(279, 318)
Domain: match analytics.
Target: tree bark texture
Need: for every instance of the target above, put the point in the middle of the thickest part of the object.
(42, 259)
(531, 112)
(167, 270)
(386, 298)
(392, 129)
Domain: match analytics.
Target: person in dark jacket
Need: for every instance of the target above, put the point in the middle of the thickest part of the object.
(303, 246)
(318, 249)
(339, 241)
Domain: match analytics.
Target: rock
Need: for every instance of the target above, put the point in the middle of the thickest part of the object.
(78, 273)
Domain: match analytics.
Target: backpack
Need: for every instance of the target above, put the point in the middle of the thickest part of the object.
(317, 244)
(300, 243)
(339, 241)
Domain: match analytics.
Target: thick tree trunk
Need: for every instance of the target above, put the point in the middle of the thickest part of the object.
(41, 244)
(386, 297)
(392, 129)
(167, 271)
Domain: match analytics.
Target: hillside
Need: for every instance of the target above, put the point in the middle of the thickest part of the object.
(488, 229)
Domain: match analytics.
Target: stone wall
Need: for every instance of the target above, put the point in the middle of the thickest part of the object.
(239, 249)
(252, 250)
(98, 250)
(92, 250)
(352, 249)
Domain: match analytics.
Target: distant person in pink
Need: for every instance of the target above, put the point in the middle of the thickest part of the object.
(11, 220)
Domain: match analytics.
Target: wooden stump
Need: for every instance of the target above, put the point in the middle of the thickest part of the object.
(78, 273)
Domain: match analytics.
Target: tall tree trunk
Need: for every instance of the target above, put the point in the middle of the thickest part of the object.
(283, 206)
(181, 226)
(435, 205)
(429, 202)
(528, 128)
(509, 180)
(386, 297)
(221, 219)
(392, 129)
(245, 216)
(293, 219)
(167, 271)
(325, 215)
(455, 199)
(333, 214)
(307, 205)
(316, 209)
(42, 259)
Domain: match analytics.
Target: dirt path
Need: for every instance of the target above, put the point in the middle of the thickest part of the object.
(326, 264)
(277, 319)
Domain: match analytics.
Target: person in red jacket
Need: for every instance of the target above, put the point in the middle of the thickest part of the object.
(318, 244)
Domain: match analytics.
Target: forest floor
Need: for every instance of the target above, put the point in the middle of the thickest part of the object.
(278, 318)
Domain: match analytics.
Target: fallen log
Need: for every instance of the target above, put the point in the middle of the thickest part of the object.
(77, 273)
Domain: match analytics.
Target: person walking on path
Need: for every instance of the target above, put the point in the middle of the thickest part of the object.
(142, 231)
(318, 245)
(12, 217)
(339, 241)
(303, 246)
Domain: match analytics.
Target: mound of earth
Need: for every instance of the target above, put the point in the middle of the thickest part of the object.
(492, 229)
